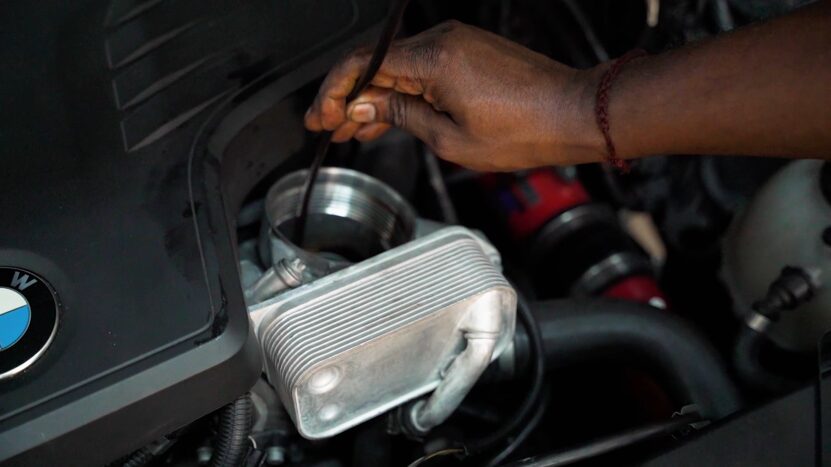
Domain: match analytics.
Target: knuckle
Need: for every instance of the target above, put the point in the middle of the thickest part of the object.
(446, 56)
(354, 59)
(454, 29)
(426, 58)
(398, 110)
(451, 25)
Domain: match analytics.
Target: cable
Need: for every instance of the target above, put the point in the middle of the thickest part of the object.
(436, 180)
(608, 444)
(531, 402)
(600, 54)
(525, 432)
(723, 16)
(588, 32)
(325, 139)
(442, 452)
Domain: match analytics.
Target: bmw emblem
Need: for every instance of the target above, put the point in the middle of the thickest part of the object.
(28, 319)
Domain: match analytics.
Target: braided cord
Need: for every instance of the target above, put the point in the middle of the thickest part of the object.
(601, 106)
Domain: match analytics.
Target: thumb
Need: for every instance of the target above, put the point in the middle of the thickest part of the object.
(410, 113)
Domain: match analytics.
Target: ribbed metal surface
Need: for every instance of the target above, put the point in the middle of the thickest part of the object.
(329, 320)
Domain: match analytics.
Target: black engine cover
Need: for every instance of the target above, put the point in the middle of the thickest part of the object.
(115, 192)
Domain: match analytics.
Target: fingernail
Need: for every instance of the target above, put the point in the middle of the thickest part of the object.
(362, 113)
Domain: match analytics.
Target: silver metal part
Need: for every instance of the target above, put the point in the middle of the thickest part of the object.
(275, 455)
(286, 274)
(757, 322)
(783, 226)
(204, 454)
(352, 216)
(481, 335)
(430, 314)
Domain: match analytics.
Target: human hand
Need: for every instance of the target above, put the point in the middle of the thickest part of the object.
(474, 98)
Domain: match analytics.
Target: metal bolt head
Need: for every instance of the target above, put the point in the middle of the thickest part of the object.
(324, 380)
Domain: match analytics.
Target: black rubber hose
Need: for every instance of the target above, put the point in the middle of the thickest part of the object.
(577, 330)
(608, 444)
(138, 458)
(523, 434)
(231, 442)
(748, 364)
(793, 287)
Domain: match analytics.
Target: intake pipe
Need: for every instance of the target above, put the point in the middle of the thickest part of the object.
(579, 330)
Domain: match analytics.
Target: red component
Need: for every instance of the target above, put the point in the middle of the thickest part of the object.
(541, 195)
(640, 288)
(649, 395)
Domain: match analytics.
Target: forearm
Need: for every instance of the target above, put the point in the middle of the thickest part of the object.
(762, 90)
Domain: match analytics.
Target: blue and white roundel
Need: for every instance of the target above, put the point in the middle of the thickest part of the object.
(15, 316)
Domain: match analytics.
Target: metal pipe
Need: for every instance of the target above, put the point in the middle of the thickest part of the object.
(461, 376)
(482, 329)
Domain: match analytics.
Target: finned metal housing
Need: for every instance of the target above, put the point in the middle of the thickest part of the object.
(430, 314)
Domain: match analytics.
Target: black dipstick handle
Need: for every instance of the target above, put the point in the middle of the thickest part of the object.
(394, 16)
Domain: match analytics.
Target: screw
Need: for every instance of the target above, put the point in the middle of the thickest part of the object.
(275, 455)
(324, 380)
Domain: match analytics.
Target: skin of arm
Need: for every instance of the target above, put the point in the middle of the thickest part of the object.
(489, 104)
(761, 90)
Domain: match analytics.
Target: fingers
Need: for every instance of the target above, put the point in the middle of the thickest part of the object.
(371, 131)
(377, 109)
(363, 126)
(359, 131)
(408, 65)
(345, 132)
(410, 113)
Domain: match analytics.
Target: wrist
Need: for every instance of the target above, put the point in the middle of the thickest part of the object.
(580, 140)
(603, 95)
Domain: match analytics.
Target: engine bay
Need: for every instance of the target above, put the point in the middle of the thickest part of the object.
(431, 315)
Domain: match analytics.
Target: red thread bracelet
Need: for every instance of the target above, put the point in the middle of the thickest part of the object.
(601, 106)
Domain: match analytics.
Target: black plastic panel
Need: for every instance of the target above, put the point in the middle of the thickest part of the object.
(109, 194)
(782, 432)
